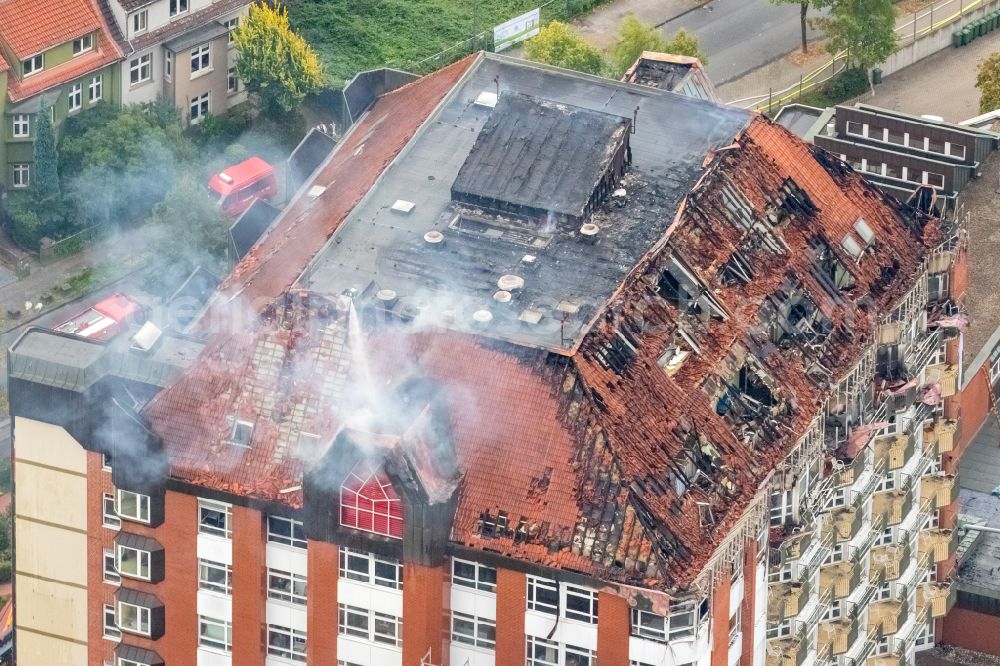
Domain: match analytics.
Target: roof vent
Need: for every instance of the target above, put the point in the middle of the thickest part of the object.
(403, 206)
(866, 233)
(589, 231)
(531, 316)
(146, 337)
(502, 296)
(487, 99)
(226, 178)
(619, 193)
(482, 317)
(510, 282)
(386, 297)
(434, 238)
(316, 190)
(851, 247)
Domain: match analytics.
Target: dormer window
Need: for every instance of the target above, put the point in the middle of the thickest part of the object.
(82, 45)
(34, 64)
(368, 502)
(242, 432)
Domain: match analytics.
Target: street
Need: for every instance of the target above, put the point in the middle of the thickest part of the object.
(741, 35)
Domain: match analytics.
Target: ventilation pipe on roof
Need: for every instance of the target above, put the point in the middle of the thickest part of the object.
(510, 282)
(482, 318)
(635, 118)
(589, 232)
(434, 238)
(502, 296)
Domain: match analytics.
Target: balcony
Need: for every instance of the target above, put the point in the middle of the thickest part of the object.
(937, 598)
(836, 637)
(892, 505)
(840, 579)
(787, 651)
(893, 451)
(938, 544)
(941, 489)
(847, 475)
(786, 600)
(888, 615)
(892, 560)
(795, 545)
(844, 523)
(940, 435)
(946, 376)
(892, 659)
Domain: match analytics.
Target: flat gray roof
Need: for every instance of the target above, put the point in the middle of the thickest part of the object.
(570, 281)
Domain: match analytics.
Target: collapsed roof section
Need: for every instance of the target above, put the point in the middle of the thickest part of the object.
(726, 296)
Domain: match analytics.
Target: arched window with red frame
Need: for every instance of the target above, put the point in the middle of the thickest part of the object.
(368, 502)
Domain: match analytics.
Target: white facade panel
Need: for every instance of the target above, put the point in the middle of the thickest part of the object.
(371, 597)
(366, 653)
(464, 655)
(215, 548)
(287, 558)
(215, 605)
(213, 658)
(736, 593)
(568, 632)
(471, 602)
(286, 614)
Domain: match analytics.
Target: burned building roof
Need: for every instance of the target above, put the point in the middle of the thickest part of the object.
(562, 155)
(631, 391)
(676, 73)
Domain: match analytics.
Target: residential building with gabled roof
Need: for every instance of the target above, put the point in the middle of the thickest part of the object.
(536, 368)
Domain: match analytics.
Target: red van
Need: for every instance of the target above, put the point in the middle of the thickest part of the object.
(238, 186)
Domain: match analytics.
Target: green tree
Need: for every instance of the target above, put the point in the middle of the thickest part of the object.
(124, 167)
(557, 45)
(189, 230)
(988, 82)
(865, 29)
(634, 37)
(45, 186)
(804, 6)
(274, 62)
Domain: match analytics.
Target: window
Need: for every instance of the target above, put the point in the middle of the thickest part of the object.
(474, 575)
(734, 626)
(133, 506)
(937, 287)
(140, 21)
(781, 507)
(543, 595)
(75, 97)
(178, 7)
(371, 569)
(285, 586)
(231, 25)
(353, 621)
(995, 365)
(285, 530)
(22, 125)
(893, 136)
(242, 430)
(111, 518)
(82, 45)
(34, 64)
(201, 58)
(21, 175)
(581, 604)
(96, 88)
(679, 624)
(368, 502)
(286, 643)
(884, 538)
(956, 150)
(471, 630)
(133, 618)
(214, 518)
(110, 626)
(215, 634)
(387, 629)
(933, 145)
(935, 179)
(141, 69)
(106, 462)
(234, 83)
(110, 567)
(215, 577)
(542, 652)
(133, 562)
(168, 65)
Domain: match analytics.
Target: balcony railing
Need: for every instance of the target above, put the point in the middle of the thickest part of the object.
(844, 523)
(893, 451)
(942, 489)
(936, 599)
(863, 491)
(877, 527)
(938, 544)
(893, 560)
(850, 473)
(940, 436)
(871, 643)
(893, 505)
(889, 615)
(836, 637)
(840, 579)
(921, 354)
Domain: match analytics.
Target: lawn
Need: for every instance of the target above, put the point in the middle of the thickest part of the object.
(356, 35)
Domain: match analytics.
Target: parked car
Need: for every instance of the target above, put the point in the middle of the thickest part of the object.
(104, 320)
(238, 186)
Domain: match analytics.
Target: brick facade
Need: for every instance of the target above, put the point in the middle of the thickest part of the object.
(612, 629)
(511, 601)
(248, 587)
(321, 590)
